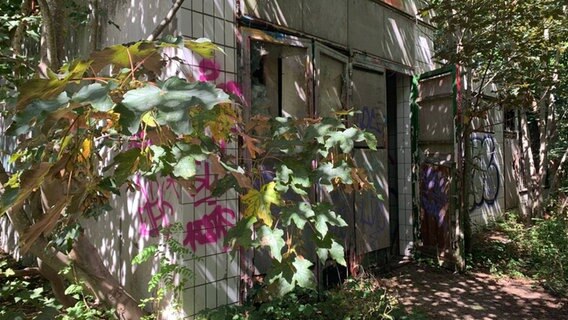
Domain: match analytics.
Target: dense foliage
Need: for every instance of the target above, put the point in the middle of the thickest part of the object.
(516, 52)
(356, 299)
(539, 251)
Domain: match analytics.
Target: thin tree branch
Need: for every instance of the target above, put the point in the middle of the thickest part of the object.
(25, 10)
(48, 54)
(167, 20)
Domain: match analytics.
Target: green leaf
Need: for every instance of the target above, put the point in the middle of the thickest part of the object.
(96, 95)
(178, 92)
(178, 120)
(241, 233)
(272, 239)
(258, 202)
(303, 276)
(142, 99)
(337, 253)
(185, 168)
(38, 110)
(9, 272)
(125, 164)
(326, 172)
(129, 120)
(30, 180)
(324, 217)
(298, 215)
(145, 255)
(172, 101)
(370, 139)
(73, 289)
(329, 248)
(345, 139)
(202, 46)
(125, 56)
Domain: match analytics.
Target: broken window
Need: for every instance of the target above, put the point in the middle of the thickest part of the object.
(279, 86)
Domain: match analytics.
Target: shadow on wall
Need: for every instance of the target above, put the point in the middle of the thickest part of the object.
(137, 219)
(124, 21)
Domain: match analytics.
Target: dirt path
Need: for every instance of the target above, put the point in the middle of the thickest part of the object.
(442, 294)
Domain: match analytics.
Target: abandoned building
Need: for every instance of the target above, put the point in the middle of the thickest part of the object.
(307, 58)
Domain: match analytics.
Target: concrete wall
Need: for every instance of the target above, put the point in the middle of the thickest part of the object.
(368, 26)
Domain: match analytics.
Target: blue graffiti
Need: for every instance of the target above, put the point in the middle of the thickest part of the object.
(485, 173)
(369, 120)
(372, 217)
(434, 193)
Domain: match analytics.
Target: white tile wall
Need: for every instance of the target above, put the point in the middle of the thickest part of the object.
(404, 165)
(217, 275)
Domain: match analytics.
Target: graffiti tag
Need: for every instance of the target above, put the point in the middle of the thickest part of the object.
(434, 193)
(485, 173)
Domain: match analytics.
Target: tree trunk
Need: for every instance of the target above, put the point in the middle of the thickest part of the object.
(48, 51)
(86, 261)
(529, 170)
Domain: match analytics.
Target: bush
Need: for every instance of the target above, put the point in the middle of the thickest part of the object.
(357, 299)
(539, 251)
(547, 245)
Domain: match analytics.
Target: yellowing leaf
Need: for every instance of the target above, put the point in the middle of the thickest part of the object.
(149, 119)
(258, 202)
(14, 181)
(202, 46)
(86, 148)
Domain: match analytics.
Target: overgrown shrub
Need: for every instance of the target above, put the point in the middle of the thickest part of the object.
(357, 299)
(539, 251)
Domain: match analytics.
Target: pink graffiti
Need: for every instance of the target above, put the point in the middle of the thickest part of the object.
(213, 226)
(154, 210)
(210, 228)
(137, 141)
(209, 70)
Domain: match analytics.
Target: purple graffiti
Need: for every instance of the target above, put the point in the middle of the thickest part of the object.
(434, 193)
(211, 227)
(485, 171)
(209, 70)
(154, 209)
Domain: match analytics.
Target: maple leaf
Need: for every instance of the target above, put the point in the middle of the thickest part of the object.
(250, 144)
(258, 202)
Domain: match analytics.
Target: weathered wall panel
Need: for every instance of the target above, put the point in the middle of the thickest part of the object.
(399, 38)
(326, 19)
(282, 12)
(511, 158)
(366, 27)
(371, 212)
